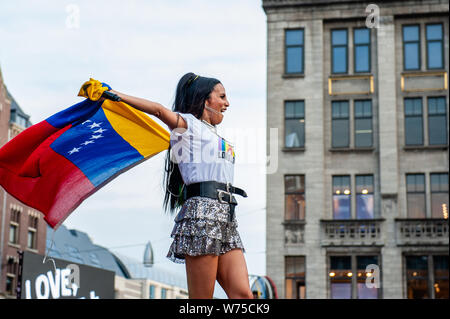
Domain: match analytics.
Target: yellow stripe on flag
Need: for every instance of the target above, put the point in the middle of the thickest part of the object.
(137, 128)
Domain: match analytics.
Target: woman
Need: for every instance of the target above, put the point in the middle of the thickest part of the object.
(198, 179)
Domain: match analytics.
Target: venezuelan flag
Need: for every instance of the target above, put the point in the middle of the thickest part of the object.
(53, 166)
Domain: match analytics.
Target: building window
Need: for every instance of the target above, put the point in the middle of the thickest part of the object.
(439, 195)
(341, 197)
(413, 121)
(437, 121)
(163, 293)
(411, 47)
(10, 284)
(339, 51)
(417, 277)
(435, 47)
(363, 123)
(295, 277)
(361, 45)
(294, 189)
(294, 48)
(14, 226)
(341, 277)
(349, 279)
(32, 231)
(294, 123)
(340, 124)
(415, 188)
(365, 291)
(364, 197)
(440, 285)
(152, 292)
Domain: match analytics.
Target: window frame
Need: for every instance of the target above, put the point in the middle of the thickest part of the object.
(437, 115)
(333, 119)
(436, 192)
(302, 146)
(372, 192)
(286, 46)
(442, 45)
(295, 279)
(339, 45)
(405, 116)
(286, 193)
(369, 45)
(362, 118)
(416, 192)
(419, 41)
(349, 195)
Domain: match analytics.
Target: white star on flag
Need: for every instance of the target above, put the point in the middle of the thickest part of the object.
(95, 125)
(100, 130)
(96, 136)
(75, 149)
(87, 142)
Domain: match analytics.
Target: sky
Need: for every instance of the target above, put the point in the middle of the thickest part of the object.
(142, 48)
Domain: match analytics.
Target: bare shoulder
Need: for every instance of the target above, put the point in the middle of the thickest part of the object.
(172, 119)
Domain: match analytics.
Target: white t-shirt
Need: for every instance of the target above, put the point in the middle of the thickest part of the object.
(201, 154)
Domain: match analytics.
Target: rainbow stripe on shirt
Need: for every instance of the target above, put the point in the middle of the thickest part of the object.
(226, 150)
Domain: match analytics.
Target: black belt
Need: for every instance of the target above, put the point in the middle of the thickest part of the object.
(215, 190)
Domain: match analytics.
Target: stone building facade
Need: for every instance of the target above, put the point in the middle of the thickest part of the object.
(359, 95)
(21, 227)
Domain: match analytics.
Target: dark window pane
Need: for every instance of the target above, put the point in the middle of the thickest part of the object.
(340, 109)
(415, 183)
(340, 277)
(434, 55)
(340, 60)
(339, 37)
(437, 130)
(411, 33)
(413, 106)
(364, 184)
(365, 292)
(294, 58)
(341, 184)
(341, 207)
(434, 32)
(295, 133)
(294, 37)
(362, 36)
(441, 277)
(439, 205)
(294, 184)
(417, 277)
(416, 205)
(364, 206)
(341, 136)
(363, 132)
(412, 56)
(362, 59)
(436, 106)
(439, 182)
(295, 207)
(413, 131)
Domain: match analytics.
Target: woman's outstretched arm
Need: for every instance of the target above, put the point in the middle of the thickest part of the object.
(170, 118)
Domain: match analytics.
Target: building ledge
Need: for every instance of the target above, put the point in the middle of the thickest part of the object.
(425, 147)
(293, 75)
(352, 149)
(14, 245)
(293, 149)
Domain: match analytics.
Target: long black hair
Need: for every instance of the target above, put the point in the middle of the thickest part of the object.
(192, 92)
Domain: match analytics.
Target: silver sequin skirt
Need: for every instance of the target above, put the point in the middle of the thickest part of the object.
(203, 227)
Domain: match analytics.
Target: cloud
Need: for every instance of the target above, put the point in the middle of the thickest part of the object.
(142, 48)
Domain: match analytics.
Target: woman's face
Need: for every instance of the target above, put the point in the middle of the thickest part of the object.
(217, 101)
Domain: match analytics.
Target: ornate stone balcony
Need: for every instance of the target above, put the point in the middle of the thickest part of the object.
(352, 232)
(417, 232)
